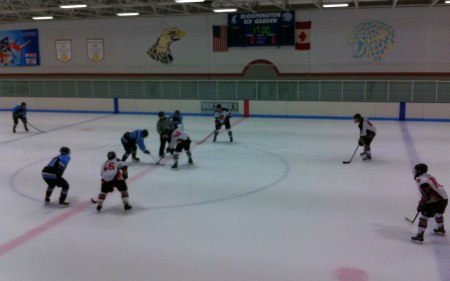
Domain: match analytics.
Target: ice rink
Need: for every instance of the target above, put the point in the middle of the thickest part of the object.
(277, 204)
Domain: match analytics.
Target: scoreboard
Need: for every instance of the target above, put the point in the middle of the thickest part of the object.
(261, 29)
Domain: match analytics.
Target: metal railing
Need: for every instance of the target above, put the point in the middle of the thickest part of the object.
(423, 91)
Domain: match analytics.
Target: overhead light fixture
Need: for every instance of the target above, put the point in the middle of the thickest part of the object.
(43, 18)
(227, 10)
(74, 6)
(189, 1)
(127, 14)
(340, 5)
(447, 2)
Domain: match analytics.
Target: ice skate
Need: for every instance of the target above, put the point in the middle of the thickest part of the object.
(231, 139)
(127, 207)
(190, 161)
(440, 230)
(63, 202)
(175, 165)
(367, 158)
(99, 207)
(135, 159)
(418, 238)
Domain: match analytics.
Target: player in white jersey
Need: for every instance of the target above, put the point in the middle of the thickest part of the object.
(433, 202)
(114, 173)
(222, 117)
(179, 141)
(367, 132)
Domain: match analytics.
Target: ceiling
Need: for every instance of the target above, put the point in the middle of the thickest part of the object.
(12, 11)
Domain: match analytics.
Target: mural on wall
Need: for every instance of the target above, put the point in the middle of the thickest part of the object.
(160, 51)
(371, 40)
(19, 47)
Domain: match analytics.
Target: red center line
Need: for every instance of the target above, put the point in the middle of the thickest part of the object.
(33, 233)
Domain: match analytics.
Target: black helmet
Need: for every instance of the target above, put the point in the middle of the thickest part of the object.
(420, 169)
(144, 133)
(357, 116)
(64, 150)
(111, 155)
(23, 104)
(218, 106)
(161, 113)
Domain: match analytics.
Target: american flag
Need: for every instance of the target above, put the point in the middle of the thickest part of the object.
(220, 39)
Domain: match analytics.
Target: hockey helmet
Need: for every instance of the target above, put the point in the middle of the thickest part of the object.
(420, 169)
(111, 155)
(218, 106)
(161, 113)
(64, 150)
(23, 104)
(144, 133)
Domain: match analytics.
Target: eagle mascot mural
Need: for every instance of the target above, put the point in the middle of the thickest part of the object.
(160, 51)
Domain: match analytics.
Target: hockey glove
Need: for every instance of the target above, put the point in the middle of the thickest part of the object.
(217, 122)
(125, 175)
(420, 207)
(361, 141)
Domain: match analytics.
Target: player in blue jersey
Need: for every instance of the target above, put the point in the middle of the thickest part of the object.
(130, 142)
(20, 112)
(52, 175)
(176, 118)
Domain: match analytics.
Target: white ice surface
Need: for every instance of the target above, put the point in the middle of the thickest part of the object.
(277, 204)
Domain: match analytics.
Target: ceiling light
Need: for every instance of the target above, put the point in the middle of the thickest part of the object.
(228, 10)
(43, 18)
(189, 1)
(447, 2)
(127, 14)
(74, 6)
(341, 5)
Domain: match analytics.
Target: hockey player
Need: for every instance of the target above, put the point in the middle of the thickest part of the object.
(164, 127)
(367, 132)
(432, 204)
(20, 112)
(130, 142)
(176, 118)
(222, 117)
(114, 173)
(179, 141)
(52, 175)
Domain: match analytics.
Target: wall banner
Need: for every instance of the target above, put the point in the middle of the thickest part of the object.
(95, 49)
(63, 50)
(19, 47)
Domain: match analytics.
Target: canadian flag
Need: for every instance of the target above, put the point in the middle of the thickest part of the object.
(302, 41)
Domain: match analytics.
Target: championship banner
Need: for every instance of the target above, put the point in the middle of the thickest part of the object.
(95, 49)
(63, 50)
(19, 47)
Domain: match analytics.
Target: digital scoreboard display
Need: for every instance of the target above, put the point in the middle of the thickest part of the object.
(261, 29)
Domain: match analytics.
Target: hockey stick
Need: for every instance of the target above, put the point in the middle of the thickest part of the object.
(349, 161)
(37, 129)
(203, 140)
(412, 220)
(157, 162)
